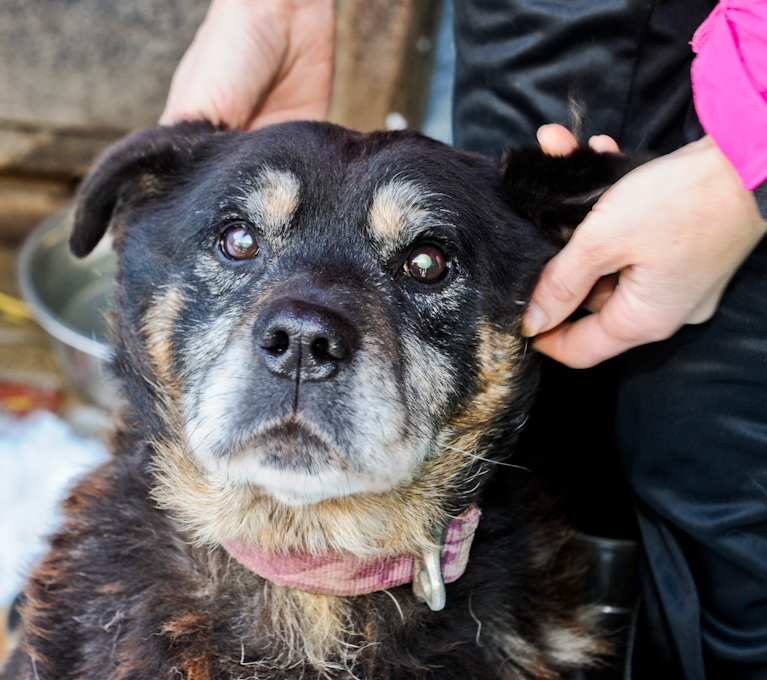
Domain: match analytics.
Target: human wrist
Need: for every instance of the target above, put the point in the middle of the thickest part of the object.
(720, 186)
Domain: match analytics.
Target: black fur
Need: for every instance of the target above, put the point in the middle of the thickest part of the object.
(557, 192)
(123, 593)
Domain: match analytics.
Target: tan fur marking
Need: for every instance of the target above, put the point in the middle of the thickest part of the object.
(396, 210)
(395, 522)
(275, 199)
(186, 624)
(499, 356)
(575, 646)
(565, 647)
(158, 326)
(187, 633)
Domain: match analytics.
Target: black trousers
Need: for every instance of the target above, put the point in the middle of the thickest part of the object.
(685, 418)
(692, 437)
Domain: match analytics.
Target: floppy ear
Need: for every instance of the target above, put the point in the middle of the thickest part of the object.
(557, 192)
(138, 165)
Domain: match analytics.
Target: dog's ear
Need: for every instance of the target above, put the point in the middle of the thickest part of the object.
(557, 192)
(138, 165)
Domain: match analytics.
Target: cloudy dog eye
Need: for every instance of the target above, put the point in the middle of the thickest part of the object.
(426, 263)
(239, 242)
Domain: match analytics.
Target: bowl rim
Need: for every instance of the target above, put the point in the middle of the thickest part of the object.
(50, 322)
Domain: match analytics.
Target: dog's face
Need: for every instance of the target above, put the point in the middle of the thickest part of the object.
(324, 311)
(337, 324)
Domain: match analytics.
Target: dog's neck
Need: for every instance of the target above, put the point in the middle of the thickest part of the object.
(345, 574)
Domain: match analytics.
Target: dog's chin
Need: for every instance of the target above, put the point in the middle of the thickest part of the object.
(300, 489)
(298, 468)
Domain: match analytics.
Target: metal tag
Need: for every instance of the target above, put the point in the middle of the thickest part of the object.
(428, 584)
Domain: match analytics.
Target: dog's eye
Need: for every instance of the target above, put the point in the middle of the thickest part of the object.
(239, 242)
(426, 263)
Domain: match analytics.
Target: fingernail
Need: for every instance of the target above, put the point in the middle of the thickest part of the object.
(534, 320)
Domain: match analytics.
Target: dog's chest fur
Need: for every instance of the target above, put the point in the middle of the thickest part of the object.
(318, 338)
(140, 602)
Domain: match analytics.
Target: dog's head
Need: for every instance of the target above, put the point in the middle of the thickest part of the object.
(307, 315)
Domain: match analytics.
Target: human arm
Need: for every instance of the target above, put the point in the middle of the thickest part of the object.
(256, 62)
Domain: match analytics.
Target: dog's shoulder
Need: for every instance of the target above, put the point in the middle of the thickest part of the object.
(116, 579)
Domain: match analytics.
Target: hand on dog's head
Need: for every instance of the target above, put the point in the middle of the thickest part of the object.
(322, 314)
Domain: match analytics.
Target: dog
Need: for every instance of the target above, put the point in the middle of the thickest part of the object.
(317, 334)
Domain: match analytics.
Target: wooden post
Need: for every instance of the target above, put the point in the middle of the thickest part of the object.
(383, 59)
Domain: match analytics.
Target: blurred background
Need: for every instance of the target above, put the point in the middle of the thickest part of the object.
(76, 76)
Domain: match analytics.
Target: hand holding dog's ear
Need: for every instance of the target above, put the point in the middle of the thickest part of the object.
(675, 230)
(252, 64)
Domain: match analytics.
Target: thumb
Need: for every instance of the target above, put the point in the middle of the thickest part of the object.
(564, 284)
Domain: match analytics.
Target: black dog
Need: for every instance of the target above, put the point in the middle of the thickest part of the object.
(318, 338)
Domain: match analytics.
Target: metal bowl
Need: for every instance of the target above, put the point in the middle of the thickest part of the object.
(69, 298)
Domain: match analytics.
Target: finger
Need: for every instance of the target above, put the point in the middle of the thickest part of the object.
(556, 140)
(565, 283)
(604, 144)
(581, 344)
(617, 327)
(230, 65)
(303, 86)
(600, 293)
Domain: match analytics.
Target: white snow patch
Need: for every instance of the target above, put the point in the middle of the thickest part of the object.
(40, 456)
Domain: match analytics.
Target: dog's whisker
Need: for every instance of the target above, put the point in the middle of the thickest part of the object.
(522, 423)
(476, 456)
(478, 622)
(396, 603)
(473, 489)
(349, 671)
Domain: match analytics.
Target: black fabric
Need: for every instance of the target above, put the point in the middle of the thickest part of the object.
(692, 411)
(625, 64)
(692, 429)
(760, 193)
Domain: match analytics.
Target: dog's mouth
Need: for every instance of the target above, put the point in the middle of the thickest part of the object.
(298, 464)
(293, 445)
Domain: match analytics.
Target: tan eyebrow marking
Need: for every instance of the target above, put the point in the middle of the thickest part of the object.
(397, 210)
(274, 200)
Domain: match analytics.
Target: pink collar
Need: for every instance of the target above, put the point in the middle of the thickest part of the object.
(347, 575)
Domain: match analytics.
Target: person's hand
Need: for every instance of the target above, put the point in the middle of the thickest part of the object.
(668, 237)
(256, 62)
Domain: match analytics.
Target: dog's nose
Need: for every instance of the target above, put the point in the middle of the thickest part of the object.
(298, 338)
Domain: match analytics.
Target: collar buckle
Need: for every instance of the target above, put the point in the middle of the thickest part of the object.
(428, 583)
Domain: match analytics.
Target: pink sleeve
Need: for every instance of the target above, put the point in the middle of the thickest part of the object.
(729, 84)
